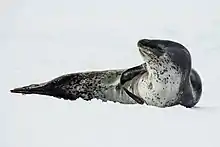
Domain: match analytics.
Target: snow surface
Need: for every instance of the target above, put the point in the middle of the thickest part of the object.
(43, 39)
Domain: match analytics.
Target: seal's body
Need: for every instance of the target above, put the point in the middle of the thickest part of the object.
(164, 79)
(104, 85)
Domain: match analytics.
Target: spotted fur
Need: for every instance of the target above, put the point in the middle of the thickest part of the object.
(164, 79)
(168, 79)
(104, 85)
(160, 85)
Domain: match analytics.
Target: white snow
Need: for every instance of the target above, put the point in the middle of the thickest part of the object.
(42, 39)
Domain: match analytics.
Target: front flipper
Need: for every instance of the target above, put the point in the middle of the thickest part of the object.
(138, 99)
(129, 75)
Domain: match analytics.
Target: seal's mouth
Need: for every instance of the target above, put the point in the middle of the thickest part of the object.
(149, 47)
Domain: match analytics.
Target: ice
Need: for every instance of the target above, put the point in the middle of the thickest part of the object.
(42, 39)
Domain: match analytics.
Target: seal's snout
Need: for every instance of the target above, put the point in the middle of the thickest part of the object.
(143, 42)
(150, 46)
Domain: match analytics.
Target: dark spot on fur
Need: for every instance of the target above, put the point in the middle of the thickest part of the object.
(150, 86)
(174, 67)
(118, 87)
(90, 96)
(99, 86)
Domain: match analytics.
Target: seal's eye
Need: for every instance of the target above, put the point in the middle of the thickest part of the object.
(154, 46)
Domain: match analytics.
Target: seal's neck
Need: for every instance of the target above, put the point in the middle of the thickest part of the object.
(161, 70)
(156, 68)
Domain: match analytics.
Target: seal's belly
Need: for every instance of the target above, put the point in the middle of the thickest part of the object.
(159, 93)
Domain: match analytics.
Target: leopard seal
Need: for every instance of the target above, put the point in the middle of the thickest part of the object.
(163, 80)
(167, 78)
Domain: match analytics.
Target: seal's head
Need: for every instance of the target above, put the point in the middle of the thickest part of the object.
(156, 51)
